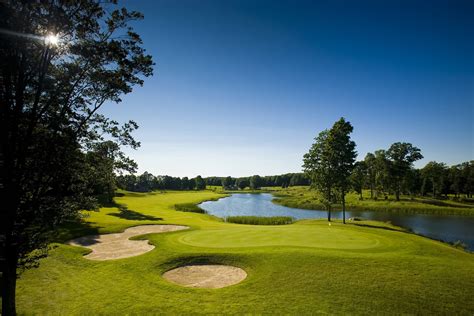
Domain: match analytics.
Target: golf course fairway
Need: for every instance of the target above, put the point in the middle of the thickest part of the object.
(307, 267)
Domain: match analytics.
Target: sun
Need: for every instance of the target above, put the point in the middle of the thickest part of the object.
(51, 39)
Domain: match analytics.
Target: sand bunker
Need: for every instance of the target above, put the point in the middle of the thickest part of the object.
(205, 276)
(117, 246)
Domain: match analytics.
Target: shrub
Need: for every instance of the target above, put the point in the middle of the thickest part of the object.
(257, 220)
(189, 207)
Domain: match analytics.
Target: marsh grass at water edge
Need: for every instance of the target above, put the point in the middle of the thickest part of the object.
(258, 220)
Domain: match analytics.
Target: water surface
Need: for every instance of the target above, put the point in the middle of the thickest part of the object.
(449, 228)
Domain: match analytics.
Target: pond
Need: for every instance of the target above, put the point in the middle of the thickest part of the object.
(449, 228)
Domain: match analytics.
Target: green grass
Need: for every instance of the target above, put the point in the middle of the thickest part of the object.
(307, 267)
(303, 197)
(258, 220)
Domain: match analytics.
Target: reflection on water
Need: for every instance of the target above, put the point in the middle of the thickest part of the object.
(448, 228)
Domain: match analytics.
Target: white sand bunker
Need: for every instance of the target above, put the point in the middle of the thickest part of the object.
(117, 246)
(206, 276)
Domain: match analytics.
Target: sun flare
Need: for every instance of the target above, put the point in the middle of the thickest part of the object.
(52, 39)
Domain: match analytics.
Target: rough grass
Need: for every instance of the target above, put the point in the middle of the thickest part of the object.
(189, 207)
(303, 197)
(258, 220)
(308, 267)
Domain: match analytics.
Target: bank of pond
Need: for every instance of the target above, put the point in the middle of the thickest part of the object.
(448, 228)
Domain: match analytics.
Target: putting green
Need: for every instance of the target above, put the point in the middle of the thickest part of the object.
(330, 237)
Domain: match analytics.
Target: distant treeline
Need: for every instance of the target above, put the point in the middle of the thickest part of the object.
(380, 173)
(256, 181)
(147, 182)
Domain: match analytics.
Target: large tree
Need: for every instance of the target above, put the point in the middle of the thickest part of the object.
(104, 159)
(329, 163)
(227, 182)
(256, 182)
(402, 156)
(382, 172)
(317, 167)
(60, 62)
(200, 184)
(370, 164)
(342, 154)
(434, 173)
(359, 177)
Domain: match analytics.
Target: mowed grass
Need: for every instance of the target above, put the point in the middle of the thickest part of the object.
(307, 267)
(303, 197)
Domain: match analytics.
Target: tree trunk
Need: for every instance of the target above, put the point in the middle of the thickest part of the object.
(343, 207)
(9, 284)
(371, 191)
(329, 214)
(397, 189)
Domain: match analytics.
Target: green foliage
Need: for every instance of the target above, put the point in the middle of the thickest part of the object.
(317, 167)
(50, 100)
(258, 220)
(200, 184)
(402, 156)
(242, 183)
(330, 161)
(189, 207)
(227, 182)
(256, 182)
(358, 177)
(435, 173)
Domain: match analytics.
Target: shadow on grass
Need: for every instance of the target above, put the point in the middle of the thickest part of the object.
(381, 227)
(204, 259)
(125, 213)
(80, 227)
(73, 229)
(133, 215)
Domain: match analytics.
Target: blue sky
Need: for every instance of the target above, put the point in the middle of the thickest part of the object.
(243, 87)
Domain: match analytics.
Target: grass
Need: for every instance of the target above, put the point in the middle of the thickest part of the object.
(303, 197)
(258, 220)
(307, 267)
(189, 207)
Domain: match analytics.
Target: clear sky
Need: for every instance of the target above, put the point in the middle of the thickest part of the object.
(243, 87)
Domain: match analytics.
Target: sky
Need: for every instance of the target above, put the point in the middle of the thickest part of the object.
(243, 87)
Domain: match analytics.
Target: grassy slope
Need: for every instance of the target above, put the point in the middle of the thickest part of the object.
(306, 267)
(302, 197)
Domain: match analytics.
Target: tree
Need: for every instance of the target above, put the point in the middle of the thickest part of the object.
(382, 172)
(145, 182)
(227, 182)
(342, 154)
(50, 91)
(317, 167)
(371, 172)
(242, 183)
(434, 172)
(329, 163)
(358, 177)
(467, 169)
(402, 156)
(199, 183)
(255, 182)
(104, 159)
